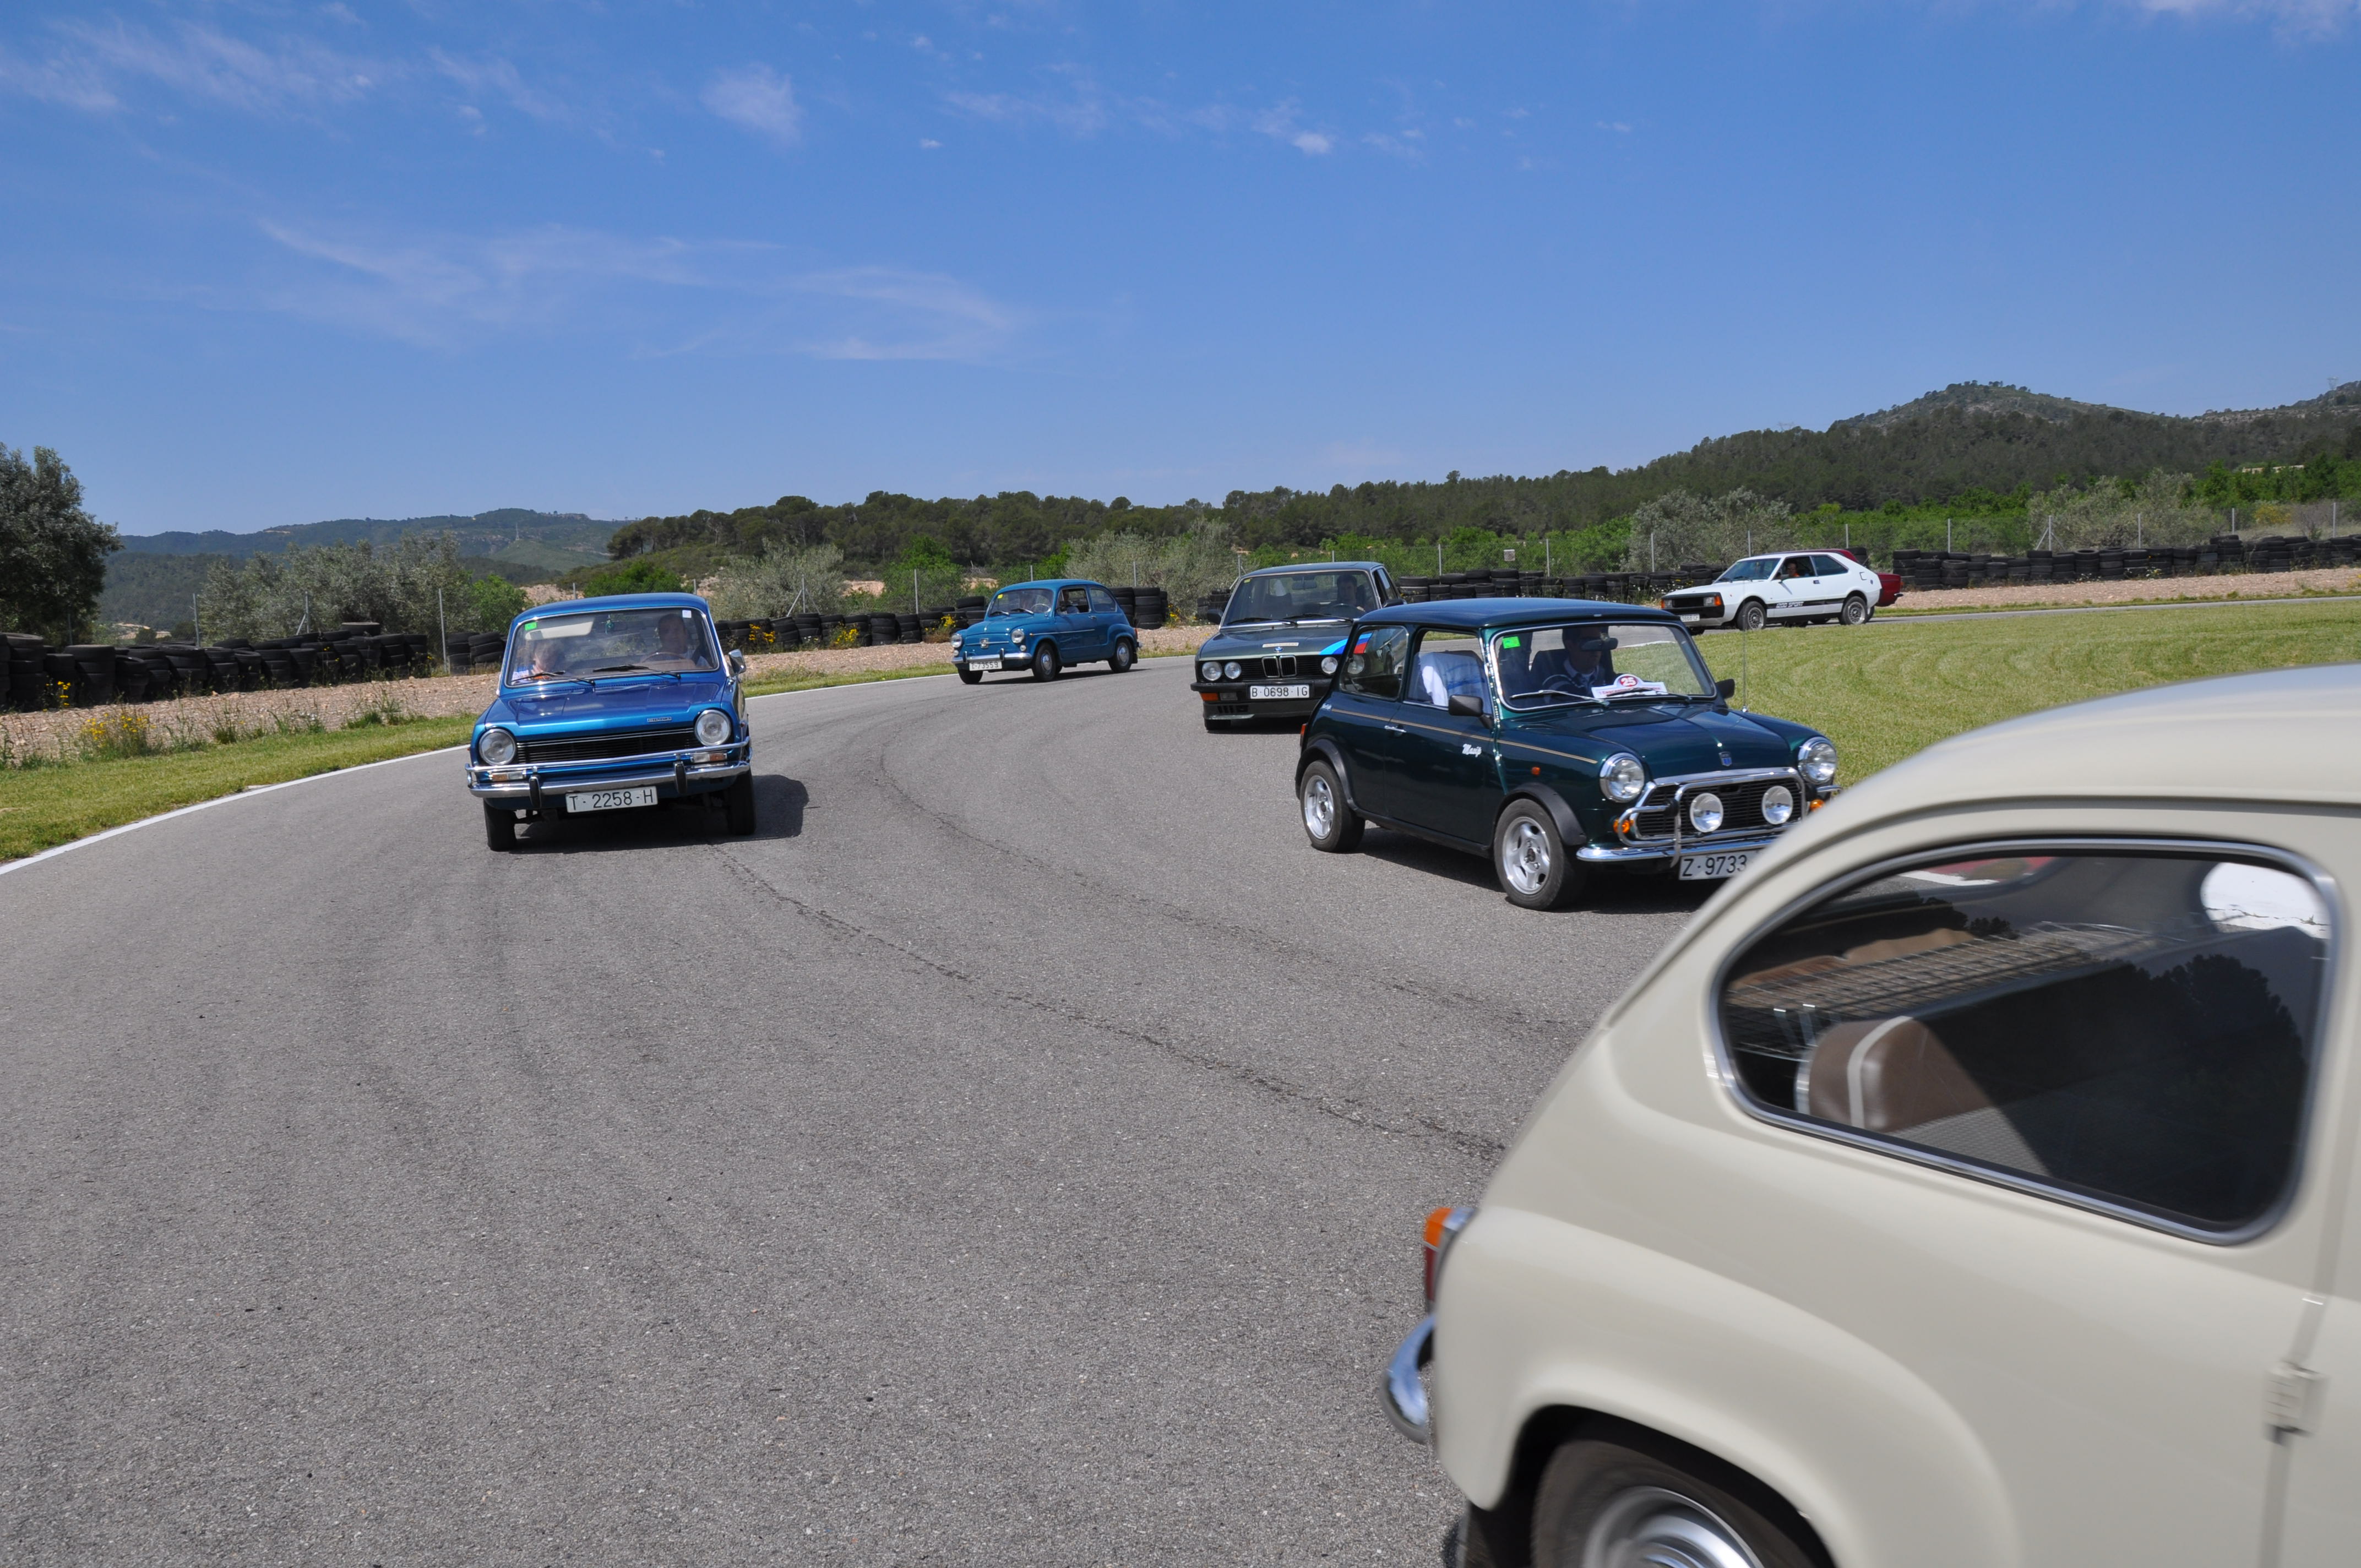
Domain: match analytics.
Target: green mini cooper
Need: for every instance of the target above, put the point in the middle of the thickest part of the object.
(1557, 736)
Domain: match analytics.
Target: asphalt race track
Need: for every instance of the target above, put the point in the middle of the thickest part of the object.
(1014, 1154)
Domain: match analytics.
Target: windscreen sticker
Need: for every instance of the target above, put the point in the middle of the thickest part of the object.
(1629, 686)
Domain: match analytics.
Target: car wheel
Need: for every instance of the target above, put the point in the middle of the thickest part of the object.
(1530, 860)
(738, 803)
(499, 826)
(1333, 826)
(1121, 658)
(1045, 662)
(1750, 616)
(1603, 1503)
(971, 677)
(1856, 611)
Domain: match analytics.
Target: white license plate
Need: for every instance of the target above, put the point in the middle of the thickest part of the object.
(1713, 868)
(982, 662)
(616, 799)
(1276, 693)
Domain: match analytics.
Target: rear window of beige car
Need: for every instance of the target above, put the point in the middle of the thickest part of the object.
(2133, 1030)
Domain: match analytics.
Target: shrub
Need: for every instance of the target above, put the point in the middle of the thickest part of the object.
(631, 577)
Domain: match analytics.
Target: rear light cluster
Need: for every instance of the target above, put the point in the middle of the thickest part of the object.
(1443, 1228)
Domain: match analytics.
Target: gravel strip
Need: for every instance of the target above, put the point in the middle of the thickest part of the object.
(2133, 590)
(241, 716)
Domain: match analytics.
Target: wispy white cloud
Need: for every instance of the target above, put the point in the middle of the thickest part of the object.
(204, 63)
(757, 99)
(498, 78)
(449, 292)
(1281, 122)
(2298, 16)
(1076, 106)
(61, 79)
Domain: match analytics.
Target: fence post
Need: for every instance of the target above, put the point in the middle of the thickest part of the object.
(1651, 550)
(1438, 557)
(914, 593)
(2140, 530)
(1947, 536)
(1550, 571)
(442, 629)
(197, 620)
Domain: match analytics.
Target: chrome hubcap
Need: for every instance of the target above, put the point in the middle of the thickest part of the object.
(1525, 856)
(1651, 1528)
(1318, 807)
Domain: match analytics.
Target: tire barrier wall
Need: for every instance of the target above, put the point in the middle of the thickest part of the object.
(87, 675)
(1927, 570)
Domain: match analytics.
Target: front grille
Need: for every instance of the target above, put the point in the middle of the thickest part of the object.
(1666, 804)
(590, 748)
(1692, 604)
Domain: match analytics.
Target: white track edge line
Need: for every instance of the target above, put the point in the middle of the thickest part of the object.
(249, 789)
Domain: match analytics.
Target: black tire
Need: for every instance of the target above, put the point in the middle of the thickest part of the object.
(971, 677)
(1124, 656)
(1750, 616)
(499, 826)
(1856, 611)
(1602, 1502)
(738, 805)
(1334, 828)
(1535, 869)
(1044, 663)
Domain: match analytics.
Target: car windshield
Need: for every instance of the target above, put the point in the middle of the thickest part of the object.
(1303, 596)
(608, 643)
(1020, 601)
(1753, 571)
(1598, 660)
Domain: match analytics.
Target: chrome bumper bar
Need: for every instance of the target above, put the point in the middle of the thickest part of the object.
(1645, 854)
(1404, 1392)
(533, 781)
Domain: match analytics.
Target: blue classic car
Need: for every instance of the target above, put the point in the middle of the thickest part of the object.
(1043, 626)
(608, 703)
(1555, 736)
(1281, 636)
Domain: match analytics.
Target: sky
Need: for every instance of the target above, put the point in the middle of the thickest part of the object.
(268, 263)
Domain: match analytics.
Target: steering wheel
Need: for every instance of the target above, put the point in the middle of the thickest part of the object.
(1566, 684)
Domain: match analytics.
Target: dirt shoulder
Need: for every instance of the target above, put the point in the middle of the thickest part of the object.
(2138, 590)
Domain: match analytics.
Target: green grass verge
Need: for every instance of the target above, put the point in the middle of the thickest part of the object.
(2233, 596)
(770, 686)
(1883, 692)
(44, 807)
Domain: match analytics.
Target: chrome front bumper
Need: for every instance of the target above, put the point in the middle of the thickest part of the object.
(671, 775)
(1404, 1391)
(1654, 854)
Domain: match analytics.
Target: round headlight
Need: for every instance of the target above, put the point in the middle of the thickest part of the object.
(1623, 778)
(1017, 635)
(713, 727)
(1328, 665)
(1231, 670)
(1211, 669)
(1817, 759)
(1778, 805)
(497, 747)
(1705, 812)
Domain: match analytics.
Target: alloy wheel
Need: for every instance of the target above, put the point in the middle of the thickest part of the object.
(1318, 807)
(1525, 857)
(1649, 1526)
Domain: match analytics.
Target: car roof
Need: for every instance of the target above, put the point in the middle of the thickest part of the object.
(2281, 735)
(1049, 583)
(1478, 614)
(615, 601)
(1315, 567)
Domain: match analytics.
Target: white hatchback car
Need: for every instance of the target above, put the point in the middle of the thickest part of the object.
(1792, 588)
(1970, 1185)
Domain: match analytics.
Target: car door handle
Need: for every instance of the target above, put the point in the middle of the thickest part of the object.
(1396, 730)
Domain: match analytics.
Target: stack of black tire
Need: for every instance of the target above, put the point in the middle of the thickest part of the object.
(1151, 610)
(1413, 590)
(1128, 601)
(27, 678)
(1211, 606)
(969, 610)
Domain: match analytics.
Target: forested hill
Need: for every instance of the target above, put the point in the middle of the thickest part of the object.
(567, 537)
(1980, 445)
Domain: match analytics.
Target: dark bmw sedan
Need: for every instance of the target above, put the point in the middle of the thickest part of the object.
(1281, 637)
(1558, 737)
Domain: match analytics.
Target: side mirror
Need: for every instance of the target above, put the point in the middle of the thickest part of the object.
(737, 663)
(1465, 707)
(1727, 687)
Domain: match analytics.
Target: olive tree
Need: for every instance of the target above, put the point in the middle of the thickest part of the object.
(53, 553)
